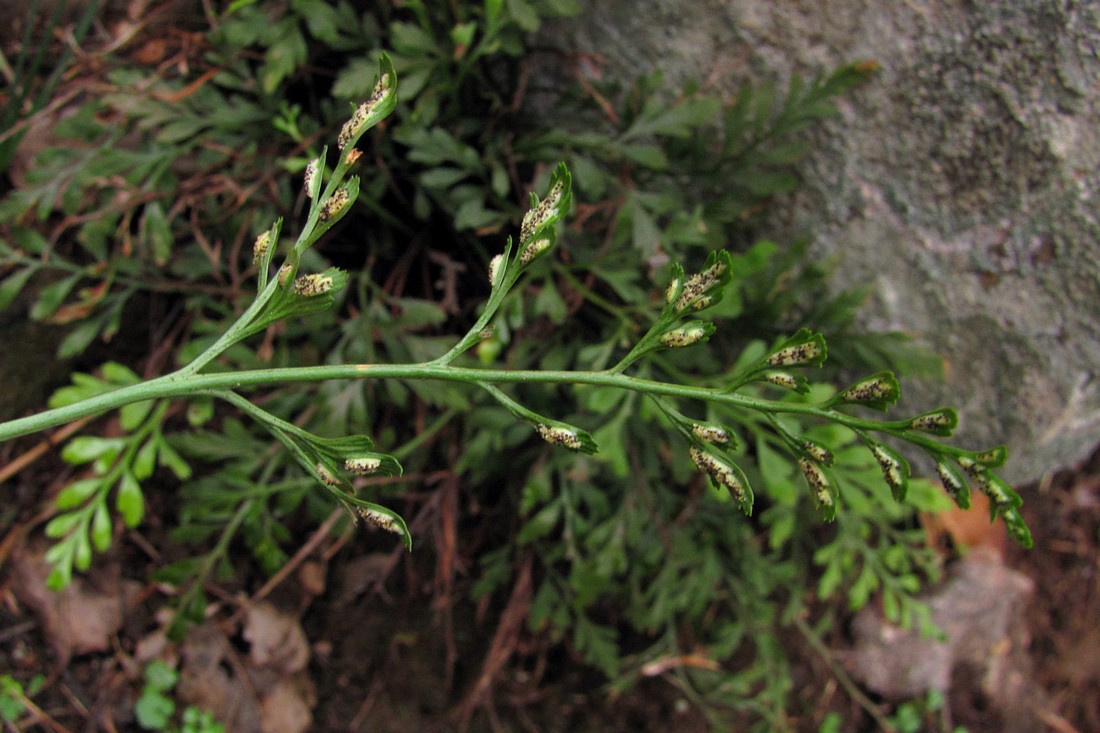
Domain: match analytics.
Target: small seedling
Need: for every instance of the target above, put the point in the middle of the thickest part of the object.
(155, 708)
(15, 697)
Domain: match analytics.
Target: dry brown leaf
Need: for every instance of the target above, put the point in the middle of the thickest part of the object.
(359, 574)
(312, 576)
(269, 692)
(277, 640)
(83, 617)
(287, 707)
(206, 681)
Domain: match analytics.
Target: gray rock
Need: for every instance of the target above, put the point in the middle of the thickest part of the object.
(960, 183)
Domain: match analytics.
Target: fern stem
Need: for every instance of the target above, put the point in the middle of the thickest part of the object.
(183, 384)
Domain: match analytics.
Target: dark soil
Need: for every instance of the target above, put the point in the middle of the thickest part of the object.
(1064, 616)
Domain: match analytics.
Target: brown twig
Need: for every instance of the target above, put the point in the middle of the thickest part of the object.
(300, 556)
(503, 644)
(842, 677)
(37, 716)
(40, 449)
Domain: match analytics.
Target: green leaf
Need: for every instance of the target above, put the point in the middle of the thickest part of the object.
(1017, 527)
(924, 496)
(233, 7)
(496, 570)
(11, 706)
(746, 499)
(132, 415)
(804, 349)
(598, 644)
(690, 334)
(878, 391)
(543, 216)
(833, 575)
(703, 290)
(895, 469)
(417, 313)
(645, 235)
(172, 460)
(62, 524)
(860, 591)
(410, 40)
(154, 711)
(267, 242)
(782, 524)
(769, 183)
(199, 412)
(537, 490)
(678, 120)
(778, 473)
(442, 178)
(343, 447)
(62, 561)
(129, 501)
(823, 488)
(382, 101)
(160, 676)
(954, 482)
(541, 524)
(81, 550)
(550, 304)
(52, 296)
(354, 80)
(554, 432)
(283, 57)
(78, 339)
(145, 461)
(462, 35)
(300, 298)
(379, 516)
(157, 232)
(937, 422)
(891, 606)
(1001, 495)
(322, 19)
(993, 457)
(493, 9)
(647, 156)
(13, 284)
(524, 15)
(87, 448)
(30, 241)
(787, 153)
(101, 528)
(76, 493)
(119, 374)
(472, 214)
(610, 436)
(548, 609)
